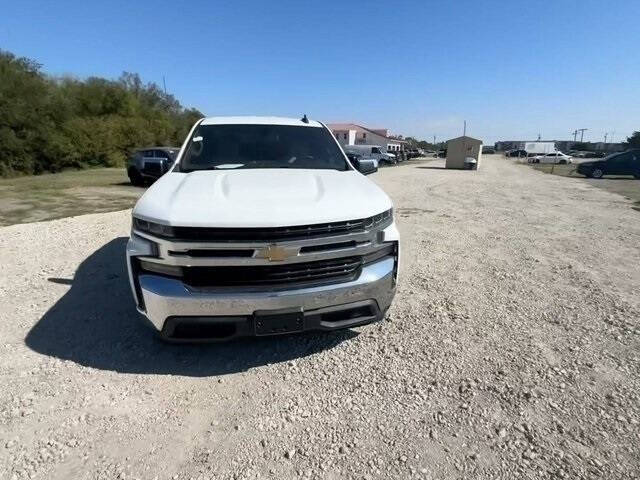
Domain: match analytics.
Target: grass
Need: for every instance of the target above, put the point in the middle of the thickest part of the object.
(51, 196)
(562, 170)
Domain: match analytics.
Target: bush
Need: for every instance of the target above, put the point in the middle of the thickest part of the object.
(49, 124)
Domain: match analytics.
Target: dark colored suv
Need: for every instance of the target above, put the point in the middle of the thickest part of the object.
(624, 163)
(516, 153)
(149, 164)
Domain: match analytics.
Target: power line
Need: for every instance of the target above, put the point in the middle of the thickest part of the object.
(581, 130)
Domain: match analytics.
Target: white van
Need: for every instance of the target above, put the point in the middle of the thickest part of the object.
(370, 151)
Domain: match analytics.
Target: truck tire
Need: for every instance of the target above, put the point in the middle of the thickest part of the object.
(135, 177)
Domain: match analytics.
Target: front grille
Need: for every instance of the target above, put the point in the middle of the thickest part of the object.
(332, 270)
(215, 253)
(268, 234)
(275, 234)
(152, 168)
(156, 168)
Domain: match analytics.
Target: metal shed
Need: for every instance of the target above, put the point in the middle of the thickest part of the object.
(460, 148)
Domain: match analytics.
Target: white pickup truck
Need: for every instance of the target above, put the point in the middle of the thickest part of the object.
(262, 227)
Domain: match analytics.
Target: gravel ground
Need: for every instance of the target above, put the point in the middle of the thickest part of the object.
(512, 350)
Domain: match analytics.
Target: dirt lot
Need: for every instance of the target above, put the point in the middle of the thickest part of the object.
(624, 185)
(512, 350)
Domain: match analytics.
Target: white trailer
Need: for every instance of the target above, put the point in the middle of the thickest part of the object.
(539, 147)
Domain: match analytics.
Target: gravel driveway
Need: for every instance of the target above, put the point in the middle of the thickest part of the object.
(512, 350)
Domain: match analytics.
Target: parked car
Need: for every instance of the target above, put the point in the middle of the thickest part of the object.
(624, 163)
(587, 154)
(516, 153)
(371, 151)
(149, 164)
(261, 227)
(362, 164)
(488, 150)
(553, 157)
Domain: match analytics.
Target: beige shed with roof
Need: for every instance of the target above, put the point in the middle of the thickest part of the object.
(458, 149)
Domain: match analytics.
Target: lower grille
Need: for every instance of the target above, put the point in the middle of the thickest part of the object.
(155, 168)
(343, 268)
(331, 270)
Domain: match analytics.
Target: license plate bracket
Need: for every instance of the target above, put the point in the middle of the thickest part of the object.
(278, 322)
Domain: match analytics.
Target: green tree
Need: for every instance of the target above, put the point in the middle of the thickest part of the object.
(49, 124)
(634, 140)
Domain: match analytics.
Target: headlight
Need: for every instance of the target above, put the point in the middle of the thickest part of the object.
(381, 220)
(153, 228)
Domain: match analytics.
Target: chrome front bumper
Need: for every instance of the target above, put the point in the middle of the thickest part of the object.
(172, 306)
(166, 298)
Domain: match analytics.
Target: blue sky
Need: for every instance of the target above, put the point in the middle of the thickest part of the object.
(512, 69)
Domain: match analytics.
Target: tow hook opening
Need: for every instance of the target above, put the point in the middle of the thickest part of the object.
(199, 328)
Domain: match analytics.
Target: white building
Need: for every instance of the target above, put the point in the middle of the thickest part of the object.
(352, 134)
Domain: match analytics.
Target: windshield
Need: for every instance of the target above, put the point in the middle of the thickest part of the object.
(612, 155)
(261, 146)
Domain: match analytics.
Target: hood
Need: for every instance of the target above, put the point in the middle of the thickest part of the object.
(260, 198)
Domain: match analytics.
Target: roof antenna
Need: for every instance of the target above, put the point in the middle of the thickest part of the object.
(304, 119)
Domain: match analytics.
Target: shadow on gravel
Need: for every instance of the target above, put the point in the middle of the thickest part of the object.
(96, 325)
(432, 168)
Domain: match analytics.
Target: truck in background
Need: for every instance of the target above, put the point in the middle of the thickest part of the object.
(538, 148)
(371, 151)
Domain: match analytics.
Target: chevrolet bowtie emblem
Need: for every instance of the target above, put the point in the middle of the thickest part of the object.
(274, 253)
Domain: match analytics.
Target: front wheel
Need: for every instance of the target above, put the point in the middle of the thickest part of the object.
(135, 178)
(596, 173)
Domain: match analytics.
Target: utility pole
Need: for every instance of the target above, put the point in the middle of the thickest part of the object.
(464, 132)
(164, 84)
(539, 136)
(434, 141)
(575, 134)
(605, 137)
(582, 130)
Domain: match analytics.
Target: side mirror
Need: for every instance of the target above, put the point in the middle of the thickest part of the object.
(366, 167)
